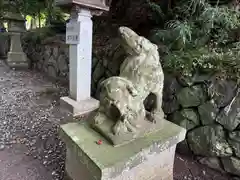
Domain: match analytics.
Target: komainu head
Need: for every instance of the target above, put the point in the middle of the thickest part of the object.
(133, 43)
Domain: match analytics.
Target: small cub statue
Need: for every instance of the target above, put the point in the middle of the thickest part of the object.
(121, 116)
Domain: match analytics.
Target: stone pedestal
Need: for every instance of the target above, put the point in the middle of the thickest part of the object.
(16, 57)
(147, 158)
(79, 108)
(79, 36)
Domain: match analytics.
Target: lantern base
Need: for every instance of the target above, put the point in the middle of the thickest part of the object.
(17, 60)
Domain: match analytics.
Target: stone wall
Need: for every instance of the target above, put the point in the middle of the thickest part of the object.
(209, 108)
(206, 105)
(51, 57)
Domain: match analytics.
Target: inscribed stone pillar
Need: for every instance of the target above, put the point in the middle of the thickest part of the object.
(79, 36)
(81, 57)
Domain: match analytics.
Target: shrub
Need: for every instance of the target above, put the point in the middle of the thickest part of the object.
(199, 39)
(37, 35)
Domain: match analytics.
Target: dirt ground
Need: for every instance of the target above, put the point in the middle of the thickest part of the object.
(30, 148)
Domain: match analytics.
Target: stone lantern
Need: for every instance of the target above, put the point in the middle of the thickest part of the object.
(16, 58)
(79, 32)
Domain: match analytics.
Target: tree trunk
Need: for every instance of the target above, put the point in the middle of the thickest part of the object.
(49, 12)
(39, 18)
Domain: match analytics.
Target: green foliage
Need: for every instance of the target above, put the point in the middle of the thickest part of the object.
(183, 30)
(26, 7)
(221, 20)
(38, 35)
(195, 20)
(40, 10)
(158, 14)
(188, 9)
(205, 60)
(198, 38)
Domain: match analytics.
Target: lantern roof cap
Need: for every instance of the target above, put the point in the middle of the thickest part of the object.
(13, 16)
(91, 4)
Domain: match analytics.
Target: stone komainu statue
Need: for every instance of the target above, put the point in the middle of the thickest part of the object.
(122, 116)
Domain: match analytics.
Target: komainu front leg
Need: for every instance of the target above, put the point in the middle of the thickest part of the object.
(157, 111)
(119, 128)
(100, 117)
(124, 125)
(158, 102)
(151, 117)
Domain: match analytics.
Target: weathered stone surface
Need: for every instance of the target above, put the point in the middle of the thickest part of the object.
(39, 65)
(51, 71)
(63, 49)
(191, 96)
(78, 108)
(234, 141)
(51, 62)
(37, 53)
(229, 117)
(98, 86)
(62, 63)
(209, 141)
(186, 118)
(16, 57)
(196, 78)
(98, 72)
(185, 81)
(231, 165)
(108, 74)
(116, 59)
(51, 58)
(141, 159)
(94, 61)
(183, 148)
(171, 86)
(66, 50)
(212, 162)
(93, 90)
(222, 91)
(55, 52)
(122, 116)
(202, 78)
(47, 52)
(208, 112)
(171, 105)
